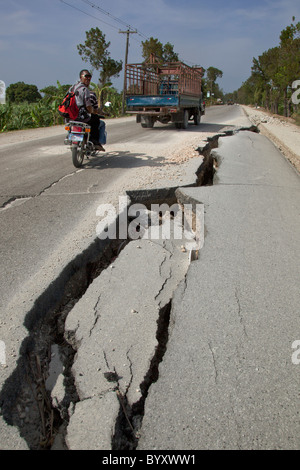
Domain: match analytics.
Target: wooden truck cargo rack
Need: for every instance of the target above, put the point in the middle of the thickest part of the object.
(154, 79)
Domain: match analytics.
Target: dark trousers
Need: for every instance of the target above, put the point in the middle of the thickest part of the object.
(95, 121)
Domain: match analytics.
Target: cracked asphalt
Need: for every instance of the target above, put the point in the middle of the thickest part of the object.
(226, 379)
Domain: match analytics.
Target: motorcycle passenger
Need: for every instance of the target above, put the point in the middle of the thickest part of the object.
(98, 128)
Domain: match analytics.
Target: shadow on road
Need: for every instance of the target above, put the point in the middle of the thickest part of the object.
(116, 159)
(123, 159)
(214, 128)
(202, 127)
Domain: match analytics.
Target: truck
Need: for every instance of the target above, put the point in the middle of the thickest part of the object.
(164, 92)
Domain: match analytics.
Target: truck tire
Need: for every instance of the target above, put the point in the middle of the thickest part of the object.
(148, 122)
(185, 122)
(197, 117)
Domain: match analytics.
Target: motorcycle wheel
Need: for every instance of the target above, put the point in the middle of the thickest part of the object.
(77, 155)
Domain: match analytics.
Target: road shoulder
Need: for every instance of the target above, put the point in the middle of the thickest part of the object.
(281, 131)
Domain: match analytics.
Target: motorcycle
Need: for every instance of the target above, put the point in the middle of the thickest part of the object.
(79, 140)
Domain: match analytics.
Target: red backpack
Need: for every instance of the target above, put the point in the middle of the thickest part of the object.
(68, 108)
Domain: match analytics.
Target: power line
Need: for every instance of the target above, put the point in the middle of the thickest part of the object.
(130, 28)
(92, 16)
(88, 2)
(110, 16)
(102, 21)
(106, 13)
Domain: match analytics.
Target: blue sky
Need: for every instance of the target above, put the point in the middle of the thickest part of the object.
(38, 38)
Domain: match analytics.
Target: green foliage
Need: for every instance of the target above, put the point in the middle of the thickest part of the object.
(53, 98)
(21, 92)
(24, 116)
(209, 84)
(5, 115)
(44, 113)
(108, 93)
(296, 116)
(100, 91)
(95, 51)
(164, 53)
(41, 115)
(152, 46)
(213, 74)
(26, 108)
(168, 53)
(115, 98)
(273, 73)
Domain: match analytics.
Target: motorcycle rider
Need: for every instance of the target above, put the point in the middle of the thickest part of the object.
(85, 105)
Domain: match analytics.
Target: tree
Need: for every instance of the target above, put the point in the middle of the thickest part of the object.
(20, 92)
(212, 74)
(266, 76)
(152, 46)
(289, 60)
(51, 92)
(95, 51)
(246, 93)
(164, 53)
(273, 73)
(168, 53)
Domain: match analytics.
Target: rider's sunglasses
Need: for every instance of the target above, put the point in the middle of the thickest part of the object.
(88, 76)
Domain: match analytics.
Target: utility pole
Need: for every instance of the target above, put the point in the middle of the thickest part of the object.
(126, 59)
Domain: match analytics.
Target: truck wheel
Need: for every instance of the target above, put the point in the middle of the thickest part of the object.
(197, 118)
(185, 119)
(148, 122)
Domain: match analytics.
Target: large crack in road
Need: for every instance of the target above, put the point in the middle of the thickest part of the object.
(133, 278)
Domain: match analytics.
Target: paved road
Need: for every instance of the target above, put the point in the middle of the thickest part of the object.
(48, 214)
(30, 167)
(50, 197)
(227, 380)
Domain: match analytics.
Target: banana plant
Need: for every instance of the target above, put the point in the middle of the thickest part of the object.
(99, 91)
(53, 101)
(5, 114)
(40, 114)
